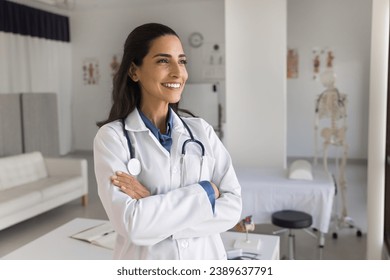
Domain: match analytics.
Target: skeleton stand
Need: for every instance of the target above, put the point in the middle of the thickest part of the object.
(331, 105)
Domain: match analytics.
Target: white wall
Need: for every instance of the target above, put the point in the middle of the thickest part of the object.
(256, 82)
(377, 131)
(100, 33)
(344, 26)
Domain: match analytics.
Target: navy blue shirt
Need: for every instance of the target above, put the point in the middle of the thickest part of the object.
(165, 139)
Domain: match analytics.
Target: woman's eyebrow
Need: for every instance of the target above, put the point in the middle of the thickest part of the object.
(167, 55)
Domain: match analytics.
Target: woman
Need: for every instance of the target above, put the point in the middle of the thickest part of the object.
(173, 206)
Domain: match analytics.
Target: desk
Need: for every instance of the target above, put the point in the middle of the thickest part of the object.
(57, 245)
(266, 190)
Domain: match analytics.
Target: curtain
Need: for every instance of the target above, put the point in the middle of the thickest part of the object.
(35, 57)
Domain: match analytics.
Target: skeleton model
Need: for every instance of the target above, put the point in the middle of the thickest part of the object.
(331, 107)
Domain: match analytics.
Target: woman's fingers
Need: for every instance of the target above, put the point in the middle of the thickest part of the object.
(130, 193)
(123, 177)
(128, 180)
(137, 193)
(130, 185)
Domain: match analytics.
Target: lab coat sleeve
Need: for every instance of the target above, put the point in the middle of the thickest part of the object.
(229, 205)
(149, 220)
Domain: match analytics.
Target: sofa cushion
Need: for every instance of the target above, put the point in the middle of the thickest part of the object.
(21, 169)
(57, 186)
(24, 196)
(14, 199)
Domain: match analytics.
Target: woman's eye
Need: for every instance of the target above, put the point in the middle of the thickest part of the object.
(183, 61)
(163, 60)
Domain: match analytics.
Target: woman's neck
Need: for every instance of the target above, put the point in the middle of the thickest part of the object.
(157, 115)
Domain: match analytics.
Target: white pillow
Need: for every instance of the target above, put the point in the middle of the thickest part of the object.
(300, 170)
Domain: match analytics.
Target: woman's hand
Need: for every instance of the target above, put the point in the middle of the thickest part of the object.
(216, 191)
(129, 185)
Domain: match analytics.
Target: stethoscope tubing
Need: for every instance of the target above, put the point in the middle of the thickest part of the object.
(127, 139)
(135, 162)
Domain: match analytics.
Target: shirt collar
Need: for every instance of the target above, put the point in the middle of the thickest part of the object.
(153, 128)
(164, 139)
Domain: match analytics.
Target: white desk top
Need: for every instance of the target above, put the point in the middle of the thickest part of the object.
(57, 245)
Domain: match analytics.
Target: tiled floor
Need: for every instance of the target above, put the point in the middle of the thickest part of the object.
(346, 247)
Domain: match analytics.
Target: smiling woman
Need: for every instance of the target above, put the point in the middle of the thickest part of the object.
(182, 191)
(161, 78)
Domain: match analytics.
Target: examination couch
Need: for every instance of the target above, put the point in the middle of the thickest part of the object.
(31, 184)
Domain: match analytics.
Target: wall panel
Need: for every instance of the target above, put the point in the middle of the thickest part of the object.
(10, 125)
(40, 123)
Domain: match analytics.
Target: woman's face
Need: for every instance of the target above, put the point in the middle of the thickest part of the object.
(163, 73)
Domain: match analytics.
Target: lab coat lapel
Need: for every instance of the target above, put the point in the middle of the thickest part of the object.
(178, 134)
(135, 124)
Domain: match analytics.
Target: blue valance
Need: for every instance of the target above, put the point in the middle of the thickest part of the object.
(24, 20)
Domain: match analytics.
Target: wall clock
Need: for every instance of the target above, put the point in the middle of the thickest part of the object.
(196, 39)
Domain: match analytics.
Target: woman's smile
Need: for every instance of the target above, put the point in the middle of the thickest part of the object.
(172, 85)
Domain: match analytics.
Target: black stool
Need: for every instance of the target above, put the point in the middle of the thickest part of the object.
(290, 220)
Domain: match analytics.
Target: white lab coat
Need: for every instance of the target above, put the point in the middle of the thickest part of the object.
(174, 222)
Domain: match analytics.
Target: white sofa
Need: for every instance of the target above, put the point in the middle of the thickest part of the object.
(31, 184)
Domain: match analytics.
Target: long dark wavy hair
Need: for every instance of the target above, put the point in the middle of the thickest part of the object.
(126, 94)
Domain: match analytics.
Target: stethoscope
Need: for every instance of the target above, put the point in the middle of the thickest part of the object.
(134, 165)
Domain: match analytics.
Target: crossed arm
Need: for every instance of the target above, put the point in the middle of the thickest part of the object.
(133, 188)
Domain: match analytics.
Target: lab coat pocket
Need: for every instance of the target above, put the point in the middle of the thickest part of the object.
(194, 169)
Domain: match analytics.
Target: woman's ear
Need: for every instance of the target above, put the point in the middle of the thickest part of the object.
(133, 72)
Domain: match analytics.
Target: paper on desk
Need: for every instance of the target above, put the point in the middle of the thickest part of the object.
(102, 235)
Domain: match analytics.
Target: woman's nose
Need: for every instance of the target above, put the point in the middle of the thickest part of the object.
(176, 70)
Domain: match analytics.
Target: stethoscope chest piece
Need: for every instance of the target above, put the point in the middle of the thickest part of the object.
(134, 166)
